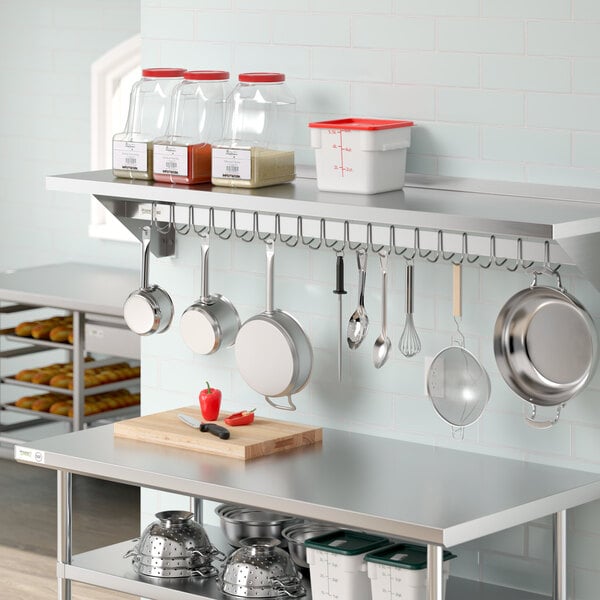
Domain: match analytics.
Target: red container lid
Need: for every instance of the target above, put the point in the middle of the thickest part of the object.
(361, 124)
(206, 75)
(162, 72)
(261, 77)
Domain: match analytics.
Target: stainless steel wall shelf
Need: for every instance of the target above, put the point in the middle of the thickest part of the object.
(433, 214)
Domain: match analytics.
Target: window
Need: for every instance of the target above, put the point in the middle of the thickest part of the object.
(112, 76)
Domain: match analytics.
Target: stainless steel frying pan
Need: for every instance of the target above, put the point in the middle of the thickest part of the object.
(273, 353)
(150, 309)
(546, 346)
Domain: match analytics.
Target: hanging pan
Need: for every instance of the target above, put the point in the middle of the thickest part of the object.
(273, 353)
(546, 346)
(212, 321)
(150, 309)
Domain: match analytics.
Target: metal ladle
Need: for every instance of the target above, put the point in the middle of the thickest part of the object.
(381, 349)
(359, 321)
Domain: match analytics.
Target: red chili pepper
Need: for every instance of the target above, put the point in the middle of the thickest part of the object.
(244, 417)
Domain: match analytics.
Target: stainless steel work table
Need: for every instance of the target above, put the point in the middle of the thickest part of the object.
(437, 496)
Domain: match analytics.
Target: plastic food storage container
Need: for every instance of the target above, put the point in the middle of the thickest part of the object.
(183, 154)
(337, 566)
(256, 149)
(149, 109)
(400, 571)
(360, 156)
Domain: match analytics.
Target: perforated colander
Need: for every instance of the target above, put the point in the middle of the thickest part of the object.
(174, 546)
(259, 569)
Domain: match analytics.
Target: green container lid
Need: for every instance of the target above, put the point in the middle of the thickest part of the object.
(404, 556)
(348, 543)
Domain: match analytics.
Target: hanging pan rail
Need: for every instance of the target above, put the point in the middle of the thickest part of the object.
(433, 245)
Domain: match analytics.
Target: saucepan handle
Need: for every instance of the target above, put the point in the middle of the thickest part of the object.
(530, 417)
(290, 405)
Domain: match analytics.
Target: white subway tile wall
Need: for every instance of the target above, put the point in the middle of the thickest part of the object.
(499, 90)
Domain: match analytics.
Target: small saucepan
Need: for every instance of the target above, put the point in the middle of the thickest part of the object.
(150, 309)
(212, 321)
(273, 353)
(546, 346)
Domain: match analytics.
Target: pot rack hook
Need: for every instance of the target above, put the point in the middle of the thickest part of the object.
(185, 229)
(393, 246)
(335, 244)
(492, 254)
(221, 233)
(380, 248)
(465, 249)
(266, 236)
(287, 240)
(519, 263)
(351, 246)
(154, 220)
(311, 242)
(246, 236)
(201, 231)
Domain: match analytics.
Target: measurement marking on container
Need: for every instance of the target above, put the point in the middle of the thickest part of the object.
(342, 148)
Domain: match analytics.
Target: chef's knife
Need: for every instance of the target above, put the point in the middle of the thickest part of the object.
(220, 432)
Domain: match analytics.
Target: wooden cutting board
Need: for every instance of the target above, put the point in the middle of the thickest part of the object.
(263, 437)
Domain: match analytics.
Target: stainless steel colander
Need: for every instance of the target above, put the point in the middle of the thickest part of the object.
(259, 569)
(174, 546)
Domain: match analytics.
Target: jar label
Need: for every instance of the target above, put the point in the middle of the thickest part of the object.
(231, 163)
(130, 156)
(171, 160)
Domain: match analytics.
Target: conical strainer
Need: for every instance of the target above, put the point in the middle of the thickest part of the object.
(259, 569)
(457, 384)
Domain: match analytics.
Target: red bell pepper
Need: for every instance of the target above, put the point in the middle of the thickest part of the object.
(210, 403)
(245, 417)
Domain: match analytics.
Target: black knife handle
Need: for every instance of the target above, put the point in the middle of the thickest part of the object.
(220, 432)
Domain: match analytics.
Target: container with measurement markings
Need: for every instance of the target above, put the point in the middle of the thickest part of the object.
(183, 154)
(360, 156)
(149, 109)
(256, 149)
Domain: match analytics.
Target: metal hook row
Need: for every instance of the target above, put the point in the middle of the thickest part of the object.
(322, 241)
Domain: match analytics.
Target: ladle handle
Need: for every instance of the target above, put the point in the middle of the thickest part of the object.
(361, 260)
(204, 273)
(270, 251)
(146, 233)
(383, 259)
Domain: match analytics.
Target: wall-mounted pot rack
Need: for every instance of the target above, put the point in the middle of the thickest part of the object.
(487, 223)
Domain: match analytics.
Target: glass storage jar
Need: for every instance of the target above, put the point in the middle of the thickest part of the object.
(183, 154)
(256, 149)
(149, 109)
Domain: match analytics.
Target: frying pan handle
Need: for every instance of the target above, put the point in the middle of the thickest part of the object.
(145, 256)
(290, 405)
(532, 422)
(204, 248)
(270, 250)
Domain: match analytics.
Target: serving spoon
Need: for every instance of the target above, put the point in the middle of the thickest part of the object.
(381, 349)
(359, 321)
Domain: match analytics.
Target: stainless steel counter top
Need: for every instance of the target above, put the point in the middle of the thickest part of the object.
(401, 489)
(70, 286)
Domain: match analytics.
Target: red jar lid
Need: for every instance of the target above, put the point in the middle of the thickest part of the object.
(261, 77)
(206, 75)
(162, 72)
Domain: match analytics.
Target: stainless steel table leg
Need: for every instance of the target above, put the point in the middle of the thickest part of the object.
(559, 588)
(64, 530)
(435, 581)
(196, 508)
(78, 370)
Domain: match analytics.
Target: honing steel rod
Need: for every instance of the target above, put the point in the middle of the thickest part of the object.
(340, 291)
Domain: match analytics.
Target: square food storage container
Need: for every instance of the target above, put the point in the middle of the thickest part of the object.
(360, 156)
(337, 567)
(400, 571)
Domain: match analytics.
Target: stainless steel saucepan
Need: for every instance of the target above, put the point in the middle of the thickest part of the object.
(150, 309)
(273, 353)
(546, 346)
(212, 321)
